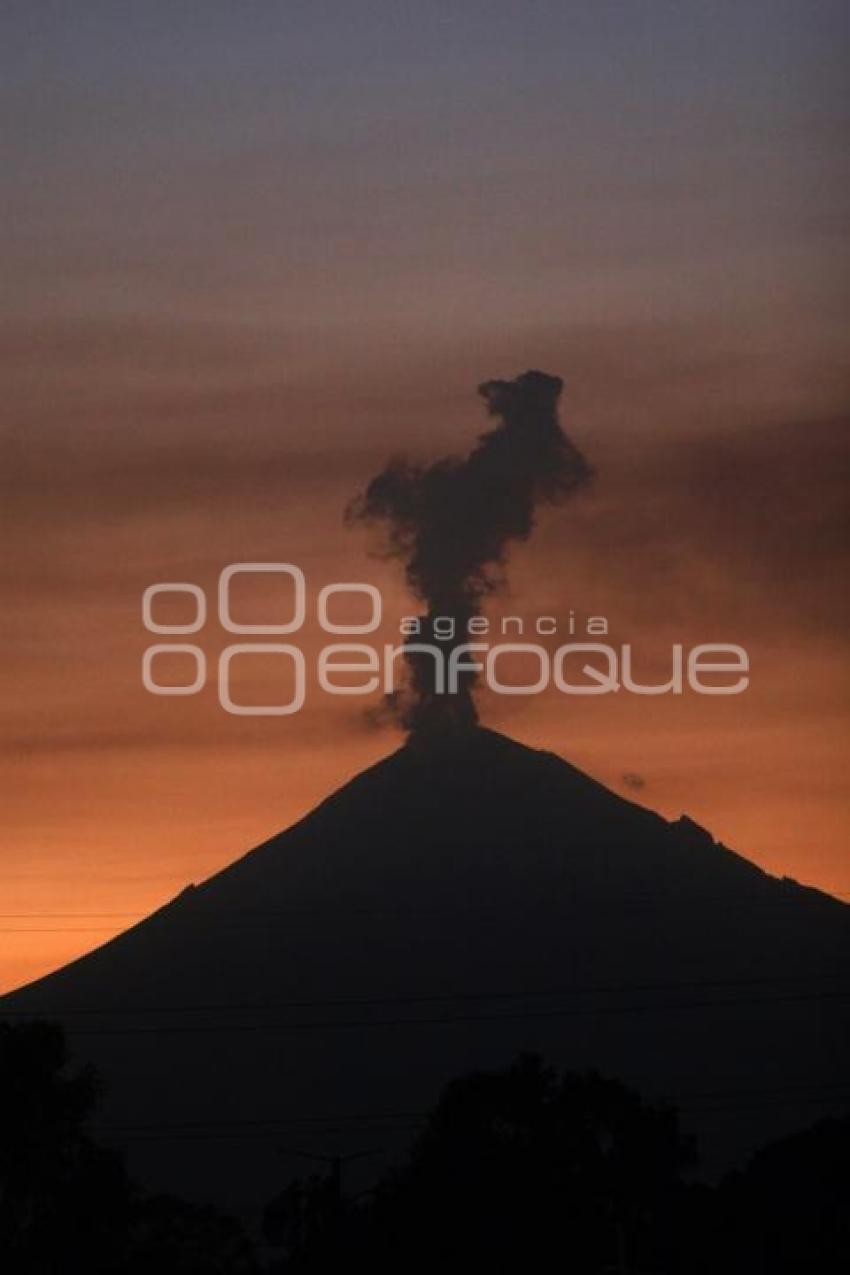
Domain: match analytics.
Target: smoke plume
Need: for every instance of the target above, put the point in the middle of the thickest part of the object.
(453, 521)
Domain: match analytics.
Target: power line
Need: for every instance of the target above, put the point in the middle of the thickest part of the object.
(132, 915)
(416, 1121)
(213, 1135)
(730, 1108)
(311, 1025)
(424, 998)
(793, 1090)
(810, 894)
(336, 1118)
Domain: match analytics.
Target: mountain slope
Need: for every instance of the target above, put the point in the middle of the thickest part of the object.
(445, 909)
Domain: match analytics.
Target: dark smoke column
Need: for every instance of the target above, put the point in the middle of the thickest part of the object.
(452, 523)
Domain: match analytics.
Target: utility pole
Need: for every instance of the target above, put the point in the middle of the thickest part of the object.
(335, 1162)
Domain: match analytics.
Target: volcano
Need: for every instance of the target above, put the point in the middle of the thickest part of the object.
(446, 909)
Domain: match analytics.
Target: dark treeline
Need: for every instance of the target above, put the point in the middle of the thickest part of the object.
(67, 1205)
(520, 1170)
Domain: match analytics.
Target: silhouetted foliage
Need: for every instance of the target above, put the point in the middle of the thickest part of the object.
(64, 1201)
(312, 1222)
(171, 1235)
(522, 1170)
(67, 1206)
(516, 1170)
(788, 1211)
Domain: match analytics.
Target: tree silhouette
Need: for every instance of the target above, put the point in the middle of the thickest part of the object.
(516, 1170)
(313, 1223)
(173, 1236)
(788, 1211)
(67, 1206)
(64, 1201)
(525, 1170)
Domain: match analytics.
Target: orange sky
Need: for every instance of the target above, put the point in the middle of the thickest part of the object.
(234, 293)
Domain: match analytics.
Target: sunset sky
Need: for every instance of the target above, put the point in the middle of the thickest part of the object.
(253, 250)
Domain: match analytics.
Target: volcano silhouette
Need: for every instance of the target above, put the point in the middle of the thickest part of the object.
(444, 910)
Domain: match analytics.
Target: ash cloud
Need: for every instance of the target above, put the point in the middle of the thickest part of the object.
(452, 523)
